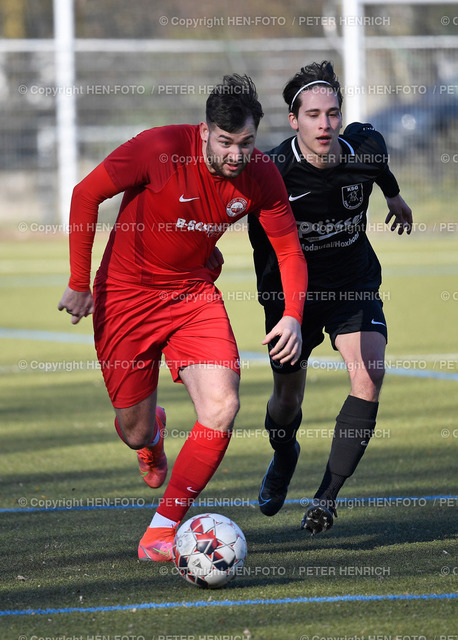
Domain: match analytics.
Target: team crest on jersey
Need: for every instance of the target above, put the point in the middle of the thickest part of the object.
(352, 196)
(236, 207)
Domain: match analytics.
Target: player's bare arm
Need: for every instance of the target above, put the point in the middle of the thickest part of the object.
(402, 214)
(79, 304)
(289, 345)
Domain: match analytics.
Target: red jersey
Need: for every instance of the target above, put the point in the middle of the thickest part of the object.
(174, 211)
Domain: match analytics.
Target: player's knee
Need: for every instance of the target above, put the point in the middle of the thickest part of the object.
(230, 409)
(288, 401)
(373, 373)
(367, 382)
(221, 413)
(377, 376)
(137, 433)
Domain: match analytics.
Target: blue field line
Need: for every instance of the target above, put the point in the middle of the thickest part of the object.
(398, 501)
(422, 373)
(46, 336)
(231, 603)
(250, 356)
(245, 356)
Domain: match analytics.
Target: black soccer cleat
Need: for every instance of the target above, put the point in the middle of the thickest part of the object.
(275, 484)
(319, 516)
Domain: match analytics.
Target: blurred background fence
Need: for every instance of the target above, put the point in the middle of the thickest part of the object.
(398, 65)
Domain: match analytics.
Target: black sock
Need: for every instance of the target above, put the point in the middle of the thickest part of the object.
(330, 485)
(282, 438)
(354, 427)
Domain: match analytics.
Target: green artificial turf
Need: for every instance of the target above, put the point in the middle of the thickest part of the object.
(59, 449)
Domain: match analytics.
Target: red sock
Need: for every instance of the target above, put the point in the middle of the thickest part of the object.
(195, 465)
(120, 434)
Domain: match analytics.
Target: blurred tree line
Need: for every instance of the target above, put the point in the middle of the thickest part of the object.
(216, 19)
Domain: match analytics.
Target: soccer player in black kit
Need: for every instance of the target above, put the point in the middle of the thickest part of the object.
(329, 178)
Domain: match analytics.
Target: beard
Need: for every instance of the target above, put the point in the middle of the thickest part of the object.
(220, 165)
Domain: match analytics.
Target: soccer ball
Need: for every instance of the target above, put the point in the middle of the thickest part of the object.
(208, 550)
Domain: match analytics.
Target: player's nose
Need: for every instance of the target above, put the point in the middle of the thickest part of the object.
(235, 154)
(324, 122)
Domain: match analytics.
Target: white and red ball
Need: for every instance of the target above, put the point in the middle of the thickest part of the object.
(209, 549)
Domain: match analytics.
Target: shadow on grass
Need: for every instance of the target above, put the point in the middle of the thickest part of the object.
(89, 558)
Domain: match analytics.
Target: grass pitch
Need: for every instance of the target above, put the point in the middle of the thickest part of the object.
(78, 505)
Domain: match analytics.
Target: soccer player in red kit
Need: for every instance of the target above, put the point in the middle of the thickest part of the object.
(154, 292)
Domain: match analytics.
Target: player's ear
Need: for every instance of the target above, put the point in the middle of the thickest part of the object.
(204, 131)
(293, 121)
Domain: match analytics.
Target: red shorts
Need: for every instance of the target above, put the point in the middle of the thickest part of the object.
(134, 325)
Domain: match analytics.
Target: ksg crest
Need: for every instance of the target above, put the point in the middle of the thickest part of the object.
(352, 196)
(236, 207)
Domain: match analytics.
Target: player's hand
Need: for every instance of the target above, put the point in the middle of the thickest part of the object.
(402, 214)
(216, 260)
(215, 263)
(78, 304)
(289, 345)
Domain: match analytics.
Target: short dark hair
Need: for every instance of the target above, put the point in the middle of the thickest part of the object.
(315, 72)
(232, 102)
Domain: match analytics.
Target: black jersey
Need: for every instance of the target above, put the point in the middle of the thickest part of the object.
(330, 207)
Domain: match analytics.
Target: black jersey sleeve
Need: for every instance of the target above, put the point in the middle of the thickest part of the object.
(388, 184)
(265, 260)
(374, 146)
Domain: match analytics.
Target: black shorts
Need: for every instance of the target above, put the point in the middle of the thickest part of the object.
(336, 312)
